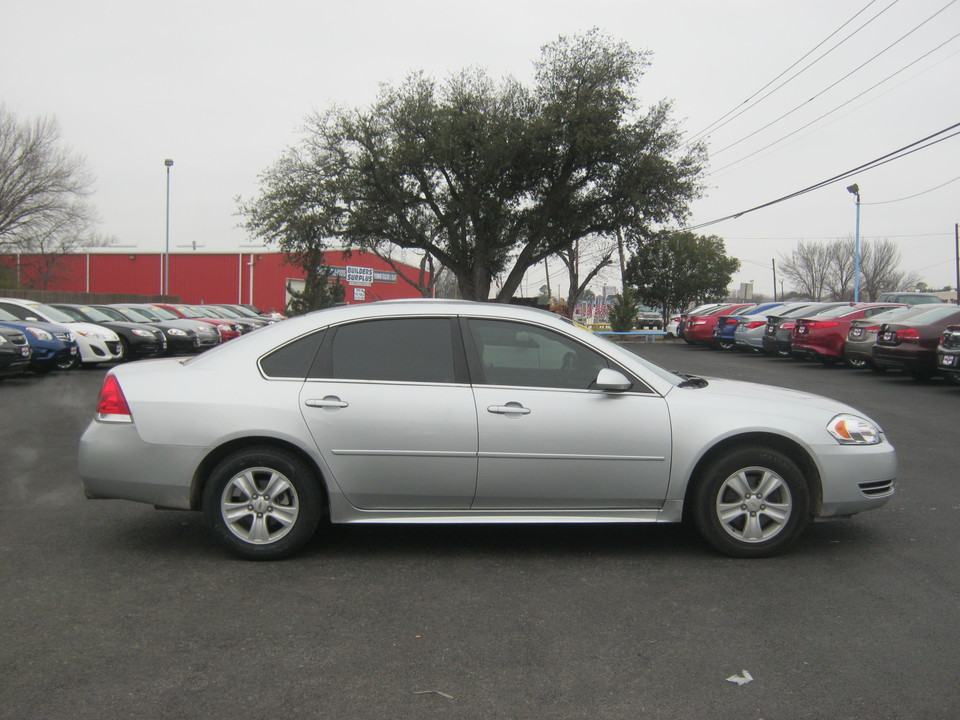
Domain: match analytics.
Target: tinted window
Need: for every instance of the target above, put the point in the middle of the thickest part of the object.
(397, 349)
(294, 359)
(529, 356)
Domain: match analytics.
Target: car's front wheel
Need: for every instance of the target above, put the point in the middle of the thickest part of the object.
(262, 503)
(751, 502)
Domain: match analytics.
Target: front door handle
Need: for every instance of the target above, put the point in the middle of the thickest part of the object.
(330, 401)
(511, 409)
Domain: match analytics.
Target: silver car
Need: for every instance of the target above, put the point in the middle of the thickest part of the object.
(435, 411)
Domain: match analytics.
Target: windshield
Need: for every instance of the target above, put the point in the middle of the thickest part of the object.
(94, 315)
(188, 312)
(245, 312)
(51, 312)
(4, 315)
(159, 312)
(933, 315)
(227, 312)
(113, 313)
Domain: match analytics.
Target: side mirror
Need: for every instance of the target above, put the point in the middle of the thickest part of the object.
(612, 381)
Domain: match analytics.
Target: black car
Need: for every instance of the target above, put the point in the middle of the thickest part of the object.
(948, 354)
(15, 352)
(138, 340)
(776, 336)
(179, 339)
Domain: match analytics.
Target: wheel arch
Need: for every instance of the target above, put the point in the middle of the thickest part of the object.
(213, 458)
(792, 449)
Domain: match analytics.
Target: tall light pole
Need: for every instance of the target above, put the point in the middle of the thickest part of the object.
(855, 190)
(166, 255)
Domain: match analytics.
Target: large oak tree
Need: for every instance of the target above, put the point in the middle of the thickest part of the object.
(489, 178)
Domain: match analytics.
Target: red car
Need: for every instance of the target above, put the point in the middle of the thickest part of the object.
(911, 344)
(228, 330)
(823, 336)
(698, 329)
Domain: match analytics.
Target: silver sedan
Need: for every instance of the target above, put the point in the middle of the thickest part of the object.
(455, 412)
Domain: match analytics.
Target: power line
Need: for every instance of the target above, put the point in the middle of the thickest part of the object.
(838, 107)
(835, 83)
(910, 197)
(906, 150)
(797, 62)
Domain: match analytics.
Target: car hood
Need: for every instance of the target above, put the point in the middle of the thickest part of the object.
(90, 328)
(736, 392)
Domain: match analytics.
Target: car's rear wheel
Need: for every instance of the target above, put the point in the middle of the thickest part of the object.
(725, 344)
(857, 363)
(262, 503)
(751, 502)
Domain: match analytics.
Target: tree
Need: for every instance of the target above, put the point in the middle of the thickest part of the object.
(879, 263)
(43, 187)
(571, 257)
(623, 311)
(841, 269)
(676, 269)
(318, 292)
(807, 268)
(488, 178)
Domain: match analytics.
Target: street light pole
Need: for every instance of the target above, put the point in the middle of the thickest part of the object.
(166, 255)
(855, 190)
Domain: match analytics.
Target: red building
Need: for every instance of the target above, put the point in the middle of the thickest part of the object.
(258, 278)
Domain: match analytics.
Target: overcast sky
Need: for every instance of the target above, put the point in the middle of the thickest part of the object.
(223, 86)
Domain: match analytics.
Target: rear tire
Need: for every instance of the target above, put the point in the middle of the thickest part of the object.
(262, 503)
(751, 502)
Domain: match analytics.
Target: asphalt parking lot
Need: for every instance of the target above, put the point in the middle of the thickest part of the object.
(114, 609)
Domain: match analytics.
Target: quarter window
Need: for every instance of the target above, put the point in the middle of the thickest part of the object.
(294, 359)
(529, 356)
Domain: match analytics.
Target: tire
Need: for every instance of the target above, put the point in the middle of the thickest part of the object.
(857, 363)
(739, 521)
(68, 363)
(921, 375)
(724, 344)
(262, 527)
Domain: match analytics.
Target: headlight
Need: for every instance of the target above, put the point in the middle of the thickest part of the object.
(143, 333)
(3, 340)
(176, 331)
(853, 430)
(40, 334)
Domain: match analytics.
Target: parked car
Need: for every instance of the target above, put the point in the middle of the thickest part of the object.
(207, 334)
(748, 335)
(778, 331)
(96, 344)
(311, 418)
(232, 314)
(858, 349)
(909, 298)
(179, 337)
(948, 354)
(823, 336)
(649, 318)
(910, 344)
(243, 325)
(138, 341)
(227, 329)
(698, 329)
(52, 346)
(724, 331)
(15, 352)
(698, 310)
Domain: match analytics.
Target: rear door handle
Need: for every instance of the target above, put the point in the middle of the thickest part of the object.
(330, 401)
(511, 408)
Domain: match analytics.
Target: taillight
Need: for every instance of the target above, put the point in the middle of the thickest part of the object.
(872, 328)
(907, 334)
(112, 406)
(788, 326)
(821, 324)
(755, 324)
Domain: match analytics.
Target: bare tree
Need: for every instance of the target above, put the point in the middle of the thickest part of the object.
(807, 268)
(43, 187)
(842, 269)
(600, 257)
(879, 265)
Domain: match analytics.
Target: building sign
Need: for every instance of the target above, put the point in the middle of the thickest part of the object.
(363, 276)
(359, 294)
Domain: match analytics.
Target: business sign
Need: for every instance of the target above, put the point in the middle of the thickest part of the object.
(362, 276)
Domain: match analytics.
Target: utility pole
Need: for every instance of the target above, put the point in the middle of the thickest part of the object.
(956, 239)
(773, 262)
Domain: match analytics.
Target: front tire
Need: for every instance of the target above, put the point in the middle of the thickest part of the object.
(751, 502)
(262, 503)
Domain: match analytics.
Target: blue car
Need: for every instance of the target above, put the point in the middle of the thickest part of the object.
(723, 331)
(53, 345)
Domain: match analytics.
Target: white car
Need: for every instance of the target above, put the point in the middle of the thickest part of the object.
(96, 344)
(438, 411)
